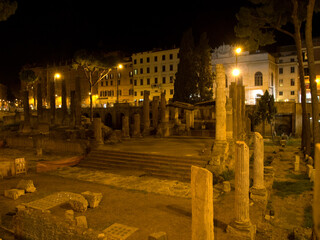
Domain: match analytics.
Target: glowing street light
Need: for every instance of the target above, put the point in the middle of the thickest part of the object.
(120, 66)
(238, 50)
(236, 72)
(57, 76)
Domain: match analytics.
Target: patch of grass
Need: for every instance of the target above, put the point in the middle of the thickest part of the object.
(286, 188)
(297, 176)
(294, 142)
(308, 220)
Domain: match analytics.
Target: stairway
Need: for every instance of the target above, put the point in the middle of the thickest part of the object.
(156, 165)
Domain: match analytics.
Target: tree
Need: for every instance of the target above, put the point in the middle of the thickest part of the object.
(312, 70)
(95, 66)
(257, 25)
(185, 86)
(265, 111)
(29, 77)
(7, 8)
(203, 69)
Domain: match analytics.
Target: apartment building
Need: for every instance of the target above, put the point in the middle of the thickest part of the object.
(257, 70)
(117, 86)
(260, 71)
(154, 71)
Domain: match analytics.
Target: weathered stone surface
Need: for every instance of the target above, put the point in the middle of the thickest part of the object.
(202, 204)
(97, 130)
(221, 114)
(226, 186)
(158, 236)
(309, 170)
(13, 193)
(316, 192)
(81, 221)
(27, 185)
(78, 203)
(241, 226)
(69, 215)
(93, 198)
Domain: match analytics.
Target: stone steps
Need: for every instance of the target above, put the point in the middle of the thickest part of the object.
(156, 165)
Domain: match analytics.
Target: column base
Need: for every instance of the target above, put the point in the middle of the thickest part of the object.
(258, 195)
(242, 230)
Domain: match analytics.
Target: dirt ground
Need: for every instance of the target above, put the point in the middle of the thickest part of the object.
(152, 212)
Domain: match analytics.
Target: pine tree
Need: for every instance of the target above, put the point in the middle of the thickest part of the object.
(185, 88)
(203, 69)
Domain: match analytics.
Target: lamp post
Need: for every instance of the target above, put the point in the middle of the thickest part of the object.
(120, 66)
(236, 71)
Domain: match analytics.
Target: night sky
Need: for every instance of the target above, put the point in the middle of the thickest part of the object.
(43, 31)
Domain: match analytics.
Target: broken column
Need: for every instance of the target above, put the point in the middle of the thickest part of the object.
(241, 226)
(155, 111)
(164, 130)
(297, 163)
(125, 127)
(202, 204)
(220, 145)
(316, 192)
(97, 130)
(136, 125)
(258, 191)
(146, 113)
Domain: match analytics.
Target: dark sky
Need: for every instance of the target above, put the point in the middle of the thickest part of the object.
(43, 30)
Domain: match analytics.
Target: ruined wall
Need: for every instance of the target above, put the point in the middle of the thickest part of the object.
(37, 225)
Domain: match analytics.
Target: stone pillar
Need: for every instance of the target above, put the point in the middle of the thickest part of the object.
(163, 107)
(242, 226)
(125, 127)
(220, 148)
(229, 122)
(52, 102)
(258, 191)
(221, 131)
(64, 107)
(188, 119)
(155, 111)
(176, 116)
(316, 192)
(26, 108)
(97, 130)
(146, 113)
(202, 204)
(297, 163)
(136, 125)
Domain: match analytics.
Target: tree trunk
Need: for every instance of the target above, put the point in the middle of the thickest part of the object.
(305, 133)
(39, 102)
(91, 106)
(312, 77)
(264, 128)
(26, 107)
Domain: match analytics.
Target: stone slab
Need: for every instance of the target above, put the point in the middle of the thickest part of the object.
(119, 231)
(158, 236)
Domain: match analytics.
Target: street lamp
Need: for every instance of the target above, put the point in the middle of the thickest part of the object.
(236, 71)
(120, 66)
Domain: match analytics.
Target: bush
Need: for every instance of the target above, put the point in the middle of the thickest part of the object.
(227, 175)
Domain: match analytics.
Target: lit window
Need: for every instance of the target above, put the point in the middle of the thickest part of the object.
(280, 82)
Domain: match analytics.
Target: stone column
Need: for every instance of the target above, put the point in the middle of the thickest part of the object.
(176, 116)
(229, 123)
(221, 130)
(125, 127)
(136, 125)
(297, 163)
(52, 101)
(97, 130)
(241, 226)
(155, 111)
(64, 107)
(146, 113)
(220, 148)
(316, 192)
(202, 204)
(258, 191)
(188, 119)
(163, 107)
